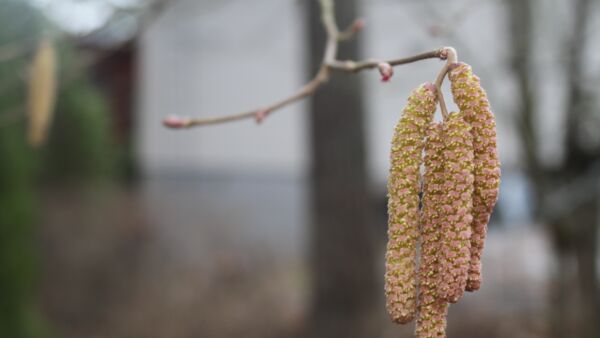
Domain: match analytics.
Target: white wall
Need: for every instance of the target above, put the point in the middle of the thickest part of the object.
(205, 58)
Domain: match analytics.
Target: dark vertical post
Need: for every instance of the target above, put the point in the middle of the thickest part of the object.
(344, 281)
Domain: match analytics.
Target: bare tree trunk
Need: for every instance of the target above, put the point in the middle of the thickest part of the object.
(558, 312)
(574, 234)
(585, 221)
(344, 283)
(575, 301)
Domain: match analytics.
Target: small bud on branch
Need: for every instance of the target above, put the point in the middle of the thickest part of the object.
(261, 115)
(386, 71)
(358, 25)
(176, 122)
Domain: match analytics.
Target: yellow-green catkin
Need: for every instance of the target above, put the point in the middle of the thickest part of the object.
(432, 311)
(455, 208)
(472, 100)
(403, 203)
(42, 92)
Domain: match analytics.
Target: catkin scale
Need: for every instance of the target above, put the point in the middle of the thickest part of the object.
(472, 100)
(455, 208)
(432, 311)
(403, 203)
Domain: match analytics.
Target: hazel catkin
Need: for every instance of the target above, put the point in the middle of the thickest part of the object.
(455, 208)
(41, 92)
(432, 311)
(472, 100)
(403, 203)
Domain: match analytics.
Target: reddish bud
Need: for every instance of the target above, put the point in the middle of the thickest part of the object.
(358, 25)
(175, 122)
(386, 71)
(435, 30)
(261, 115)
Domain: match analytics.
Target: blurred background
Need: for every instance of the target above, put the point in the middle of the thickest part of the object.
(117, 227)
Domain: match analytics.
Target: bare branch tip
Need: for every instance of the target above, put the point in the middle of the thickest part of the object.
(358, 25)
(354, 28)
(176, 122)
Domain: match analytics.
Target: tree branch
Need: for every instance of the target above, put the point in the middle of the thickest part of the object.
(451, 58)
(330, 63)
(356, 66)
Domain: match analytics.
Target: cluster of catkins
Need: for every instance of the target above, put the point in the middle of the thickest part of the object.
(459, 188)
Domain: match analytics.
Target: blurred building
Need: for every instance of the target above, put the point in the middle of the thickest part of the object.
(202, 59)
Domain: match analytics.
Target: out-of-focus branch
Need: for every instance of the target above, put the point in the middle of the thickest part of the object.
(521, 30)
(577, 156)
(330, 63)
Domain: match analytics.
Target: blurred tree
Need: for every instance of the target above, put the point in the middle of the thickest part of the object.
(79, 149)
(567, 193)
(345, 286)
(18, 314)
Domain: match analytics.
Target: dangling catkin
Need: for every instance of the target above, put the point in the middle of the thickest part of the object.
(432, 311)
(472, 100)
(403, 203)
(456, 207)
(42, 92)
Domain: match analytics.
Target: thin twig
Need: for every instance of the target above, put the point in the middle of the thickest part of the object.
(330, 63)
(356, 66)
(351, 31)
(451, 58)
(258, 114)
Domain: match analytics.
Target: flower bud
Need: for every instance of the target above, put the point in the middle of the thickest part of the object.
(261, 115)
(386, 70)
(175, 122)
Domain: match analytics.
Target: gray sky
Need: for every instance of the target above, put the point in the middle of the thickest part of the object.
(81, 16)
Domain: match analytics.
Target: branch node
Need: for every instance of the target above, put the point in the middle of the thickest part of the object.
(261, 115)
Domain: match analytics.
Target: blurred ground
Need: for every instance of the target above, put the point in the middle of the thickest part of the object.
(223, 257)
